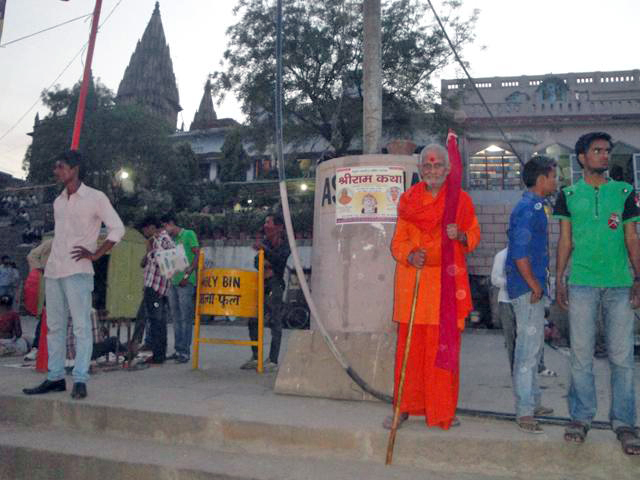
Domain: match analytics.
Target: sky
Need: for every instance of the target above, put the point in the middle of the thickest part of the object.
(513, 37)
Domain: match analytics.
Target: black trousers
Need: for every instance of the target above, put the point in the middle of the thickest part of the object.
(274, 289)
(154, 310)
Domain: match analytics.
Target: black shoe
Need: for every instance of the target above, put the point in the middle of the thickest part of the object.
(79, 390)
(182, 359)
(46, 387)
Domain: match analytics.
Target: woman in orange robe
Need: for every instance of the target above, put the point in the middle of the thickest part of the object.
(417, 243)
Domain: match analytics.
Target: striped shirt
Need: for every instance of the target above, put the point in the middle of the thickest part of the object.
(152, 276)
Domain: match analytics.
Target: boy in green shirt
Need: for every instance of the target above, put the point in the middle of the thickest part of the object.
(182, 290)
(598, 232)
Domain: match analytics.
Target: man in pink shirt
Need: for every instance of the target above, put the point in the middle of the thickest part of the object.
(79, 213)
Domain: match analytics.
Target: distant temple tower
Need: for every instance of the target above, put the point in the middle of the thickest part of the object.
(149, 79)
(205, 116)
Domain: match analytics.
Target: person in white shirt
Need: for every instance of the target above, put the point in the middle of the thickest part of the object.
(79, 212)
(506, 314)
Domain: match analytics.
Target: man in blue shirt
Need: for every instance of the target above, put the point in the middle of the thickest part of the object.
(526, 270)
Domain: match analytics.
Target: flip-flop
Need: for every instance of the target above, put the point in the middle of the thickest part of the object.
(542, 410)
(529, 425)
(629, 439)
(576, 432)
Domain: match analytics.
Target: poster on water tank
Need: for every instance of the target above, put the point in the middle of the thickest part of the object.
(368, 194)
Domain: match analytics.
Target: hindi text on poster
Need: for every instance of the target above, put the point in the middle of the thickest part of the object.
(368, 194)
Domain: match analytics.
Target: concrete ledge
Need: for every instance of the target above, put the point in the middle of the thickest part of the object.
(310, 369)
(491, 447)
(53, 454)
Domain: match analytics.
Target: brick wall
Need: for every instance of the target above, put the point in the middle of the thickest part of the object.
(494, 221)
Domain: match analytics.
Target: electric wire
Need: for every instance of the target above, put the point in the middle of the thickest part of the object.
(548, 420)
(7, 132)
(289, 226)
(473, 84)
(44, 30)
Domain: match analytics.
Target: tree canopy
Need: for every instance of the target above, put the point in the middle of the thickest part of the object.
(322, 65)
(114, 138)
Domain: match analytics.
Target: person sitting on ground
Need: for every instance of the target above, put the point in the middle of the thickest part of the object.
(11, 341)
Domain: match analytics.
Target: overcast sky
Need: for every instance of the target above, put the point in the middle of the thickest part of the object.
(521, 38)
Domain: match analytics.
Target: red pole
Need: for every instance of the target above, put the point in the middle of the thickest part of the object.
(77, 125)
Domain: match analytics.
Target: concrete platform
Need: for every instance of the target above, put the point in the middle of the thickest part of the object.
(220, 421)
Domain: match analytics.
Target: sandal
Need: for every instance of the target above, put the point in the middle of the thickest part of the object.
(529, 425)
(388, 422)
(628, 437)
(576, 432)
(541, 411)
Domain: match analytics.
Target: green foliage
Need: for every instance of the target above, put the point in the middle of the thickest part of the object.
(235, 162)
(114, 137)
(322, 63)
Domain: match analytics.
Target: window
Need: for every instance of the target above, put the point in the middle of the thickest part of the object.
(494, 169)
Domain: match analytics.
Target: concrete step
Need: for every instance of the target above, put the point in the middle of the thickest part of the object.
(323, 431)
(50, 454)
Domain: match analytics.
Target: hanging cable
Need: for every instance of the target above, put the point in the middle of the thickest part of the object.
(473, 84)
(46, 90)
(45, 30)
(58, 77)
(289, 226)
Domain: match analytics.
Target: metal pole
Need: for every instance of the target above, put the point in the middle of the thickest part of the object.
(372, 78)
(278, 99)
(77, 125)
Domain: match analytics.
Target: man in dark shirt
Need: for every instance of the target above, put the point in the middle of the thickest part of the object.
(276, 251)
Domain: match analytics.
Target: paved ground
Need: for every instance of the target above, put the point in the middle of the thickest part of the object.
(237, 404)
(485, 379)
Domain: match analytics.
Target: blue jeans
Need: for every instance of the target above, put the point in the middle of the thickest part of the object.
(182, 304)
(528, 348)
(584, 305)
(69, 295)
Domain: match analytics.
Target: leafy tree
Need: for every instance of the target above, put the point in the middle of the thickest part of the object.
(322, 65)
(235, 161)
(114, 137)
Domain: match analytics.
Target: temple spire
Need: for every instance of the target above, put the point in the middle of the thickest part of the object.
(149, 79)
(205, 116)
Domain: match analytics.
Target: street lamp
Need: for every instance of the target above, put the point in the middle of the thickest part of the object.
(125, 180)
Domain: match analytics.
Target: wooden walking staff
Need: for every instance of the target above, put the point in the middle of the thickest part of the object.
(405, 359)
